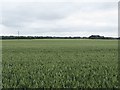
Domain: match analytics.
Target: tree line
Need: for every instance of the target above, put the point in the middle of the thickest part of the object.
(53, 37)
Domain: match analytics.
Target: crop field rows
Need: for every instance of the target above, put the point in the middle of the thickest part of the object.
(60, 63)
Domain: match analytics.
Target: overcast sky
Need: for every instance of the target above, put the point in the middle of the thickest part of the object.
(65, 18)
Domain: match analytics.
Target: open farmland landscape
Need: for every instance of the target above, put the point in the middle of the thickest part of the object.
(60, 63)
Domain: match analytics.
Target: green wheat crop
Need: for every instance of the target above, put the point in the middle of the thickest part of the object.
(59, 63)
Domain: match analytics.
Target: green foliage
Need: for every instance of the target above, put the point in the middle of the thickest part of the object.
(60, 63)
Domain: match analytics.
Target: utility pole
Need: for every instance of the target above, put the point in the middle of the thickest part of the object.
(18, 34)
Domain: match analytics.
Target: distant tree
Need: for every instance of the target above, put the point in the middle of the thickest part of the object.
(96, 37)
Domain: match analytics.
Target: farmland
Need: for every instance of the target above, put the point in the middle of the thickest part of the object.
(60, 63)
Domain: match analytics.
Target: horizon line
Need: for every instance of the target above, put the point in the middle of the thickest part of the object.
(57, 36)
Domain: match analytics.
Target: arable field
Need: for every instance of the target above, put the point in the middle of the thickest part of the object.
(60, 63)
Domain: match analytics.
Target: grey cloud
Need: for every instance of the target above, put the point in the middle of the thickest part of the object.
(16, 16)
(28, 12)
